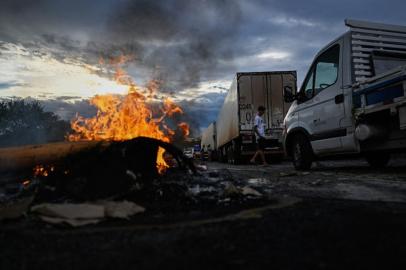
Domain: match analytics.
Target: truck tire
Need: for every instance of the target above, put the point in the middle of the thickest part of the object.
(223, 155)
(236, 153)
(302, 153)
(232, 155)
(377, 160)
(229, 154)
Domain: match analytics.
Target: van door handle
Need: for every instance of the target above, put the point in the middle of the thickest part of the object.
(316, 120)
(339, 99)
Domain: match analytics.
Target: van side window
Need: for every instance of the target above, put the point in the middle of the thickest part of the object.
(308, 90)
(327, 69)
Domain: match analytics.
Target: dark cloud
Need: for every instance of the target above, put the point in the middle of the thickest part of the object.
(68, 110)
(184, 41)
(6, 85)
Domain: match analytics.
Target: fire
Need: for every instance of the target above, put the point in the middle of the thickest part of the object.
(185, 128)
(41, 170)
(26, 183)
(122, 118)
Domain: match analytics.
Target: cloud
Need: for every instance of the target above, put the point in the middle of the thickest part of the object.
(67, 109)
(180, 40)
(202, 110)
(6, 85)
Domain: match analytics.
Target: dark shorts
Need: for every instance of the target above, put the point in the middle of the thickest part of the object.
(261, 144)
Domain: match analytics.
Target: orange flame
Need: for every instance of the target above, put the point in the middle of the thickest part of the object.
(41, 170)
(125, 117)
(185, 128)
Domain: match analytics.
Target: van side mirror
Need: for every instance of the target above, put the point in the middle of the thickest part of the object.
(288, 94)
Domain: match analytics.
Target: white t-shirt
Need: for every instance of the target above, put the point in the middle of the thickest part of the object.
(259, 123)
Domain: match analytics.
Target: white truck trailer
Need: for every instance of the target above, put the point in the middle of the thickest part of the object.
(209, 142)
(353, 99)
(235, 137)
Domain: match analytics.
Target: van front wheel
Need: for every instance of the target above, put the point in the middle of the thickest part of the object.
(302, 153)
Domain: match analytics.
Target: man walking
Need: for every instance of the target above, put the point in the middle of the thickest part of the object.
(259, 130)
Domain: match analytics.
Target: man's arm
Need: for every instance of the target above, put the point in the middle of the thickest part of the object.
(256, 131)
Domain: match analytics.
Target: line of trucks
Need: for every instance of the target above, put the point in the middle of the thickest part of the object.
(351, 102)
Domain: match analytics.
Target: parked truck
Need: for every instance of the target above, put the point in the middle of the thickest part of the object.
(235, 137)
(209, 142)
(352, 100)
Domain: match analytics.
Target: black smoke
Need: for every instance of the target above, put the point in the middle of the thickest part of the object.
(180, 42)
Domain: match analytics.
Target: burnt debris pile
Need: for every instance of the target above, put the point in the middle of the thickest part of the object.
(113, 173)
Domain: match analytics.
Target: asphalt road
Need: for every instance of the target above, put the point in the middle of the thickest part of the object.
(339, 215)
(342, 179)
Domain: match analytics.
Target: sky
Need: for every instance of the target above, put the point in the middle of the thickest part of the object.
(52, 49)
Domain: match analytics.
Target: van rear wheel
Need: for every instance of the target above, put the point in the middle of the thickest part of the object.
(302, 153)
(377, 160)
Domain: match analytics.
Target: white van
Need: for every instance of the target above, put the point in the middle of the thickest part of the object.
(352, 99)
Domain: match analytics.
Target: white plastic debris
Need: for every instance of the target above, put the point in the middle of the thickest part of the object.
(250, 191)
(201, 167)
(85, 213)
(70, 210)
(122, 209)
(258, 181)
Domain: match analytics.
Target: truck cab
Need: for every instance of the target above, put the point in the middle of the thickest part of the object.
(341, 107)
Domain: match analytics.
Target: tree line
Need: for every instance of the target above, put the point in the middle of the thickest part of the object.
(23, 123)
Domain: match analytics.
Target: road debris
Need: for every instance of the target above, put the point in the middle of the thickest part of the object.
(293, 173)
(16, 199)
(286, 174)
(85, 213)
(258, 181)
(111, 180)
(201, 167)
(250, 191)
(317, 182)
(15, 209)
(231, 190)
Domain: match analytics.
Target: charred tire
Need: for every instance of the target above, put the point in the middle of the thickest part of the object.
(302, 153)
(377, 160)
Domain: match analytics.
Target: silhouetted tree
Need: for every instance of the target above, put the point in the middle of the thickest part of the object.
(24, 123)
